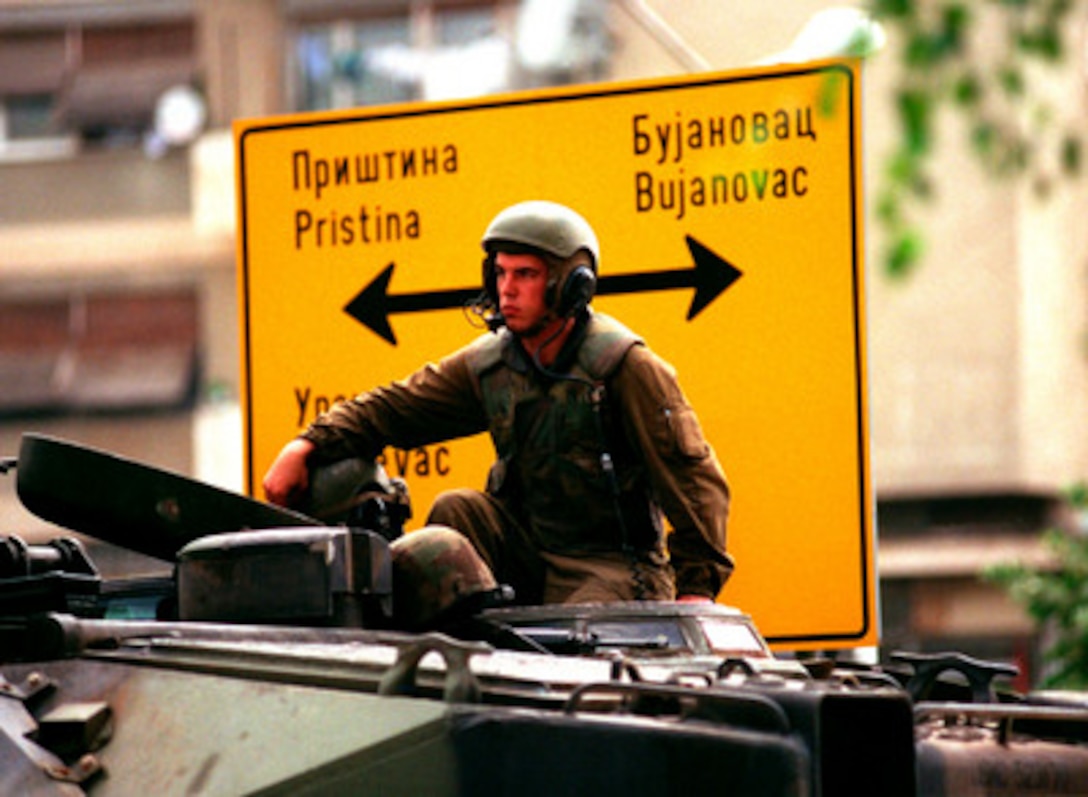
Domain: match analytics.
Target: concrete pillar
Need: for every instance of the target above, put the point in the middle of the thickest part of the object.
(242, 51)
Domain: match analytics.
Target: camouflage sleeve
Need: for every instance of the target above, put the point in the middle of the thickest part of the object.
(685, 475)
(438, 402)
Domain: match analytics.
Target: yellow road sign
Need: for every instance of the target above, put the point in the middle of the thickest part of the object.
(729, 211)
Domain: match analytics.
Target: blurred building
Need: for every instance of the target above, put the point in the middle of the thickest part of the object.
(118, 323)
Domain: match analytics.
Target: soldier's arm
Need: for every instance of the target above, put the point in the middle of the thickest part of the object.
(686, 477)
(438, 402)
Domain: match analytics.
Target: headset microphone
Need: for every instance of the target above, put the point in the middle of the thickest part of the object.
(484, 309)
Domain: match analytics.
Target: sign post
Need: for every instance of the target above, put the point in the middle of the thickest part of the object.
(729, 211)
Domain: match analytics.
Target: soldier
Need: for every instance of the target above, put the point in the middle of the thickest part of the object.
(594, 437)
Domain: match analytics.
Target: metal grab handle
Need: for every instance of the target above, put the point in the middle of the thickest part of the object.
(929, 666)
(715, 704)
(460, 686)
(735, 663)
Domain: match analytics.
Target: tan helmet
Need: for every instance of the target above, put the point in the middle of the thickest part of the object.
(358, 492)
(561, 236)
(435, 569)
(547, 226)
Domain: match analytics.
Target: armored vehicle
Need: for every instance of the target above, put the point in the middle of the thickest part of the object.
(271, 658)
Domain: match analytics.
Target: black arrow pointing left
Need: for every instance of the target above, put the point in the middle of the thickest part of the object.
(373, 305)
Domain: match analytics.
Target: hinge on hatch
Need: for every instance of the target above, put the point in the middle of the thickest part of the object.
(62, 742)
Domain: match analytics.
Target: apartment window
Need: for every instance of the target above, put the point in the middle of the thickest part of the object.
(88, 82)
(336, 64)
(98, 352)
(443, 49)
(29, 117)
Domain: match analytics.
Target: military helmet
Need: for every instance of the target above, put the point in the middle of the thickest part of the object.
(435, 569)
(547, 226)
(358, 492)
(560, 235)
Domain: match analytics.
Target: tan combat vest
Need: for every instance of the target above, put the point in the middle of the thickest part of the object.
(549, 436)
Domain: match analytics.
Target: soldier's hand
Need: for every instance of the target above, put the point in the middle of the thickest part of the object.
(289, 476)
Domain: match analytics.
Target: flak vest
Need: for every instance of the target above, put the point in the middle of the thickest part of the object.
(550, 434)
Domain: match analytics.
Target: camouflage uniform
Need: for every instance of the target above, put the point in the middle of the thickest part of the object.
(548, 524)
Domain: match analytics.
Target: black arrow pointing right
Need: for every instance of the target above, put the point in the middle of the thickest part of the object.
(710, 275)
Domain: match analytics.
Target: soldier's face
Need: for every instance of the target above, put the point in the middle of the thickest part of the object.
(522, 283)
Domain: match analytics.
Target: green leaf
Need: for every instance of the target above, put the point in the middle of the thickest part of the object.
(892, 9)
(955, 19)
(887, 209)
(1077, 495)
(827, 100)
(1011, 80)
(902, 169)
(943, 59)
(967, 90)
(1056, 597)
(915, 110)
(984, 138)
(1044, 41)
(926, 50)
(1071, 154)
(903, 254)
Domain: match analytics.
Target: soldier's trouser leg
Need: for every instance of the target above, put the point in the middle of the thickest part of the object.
(606, 577)
(542, 577)
(497, 537)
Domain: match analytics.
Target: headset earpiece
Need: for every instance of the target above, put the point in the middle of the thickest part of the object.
(577, 291)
